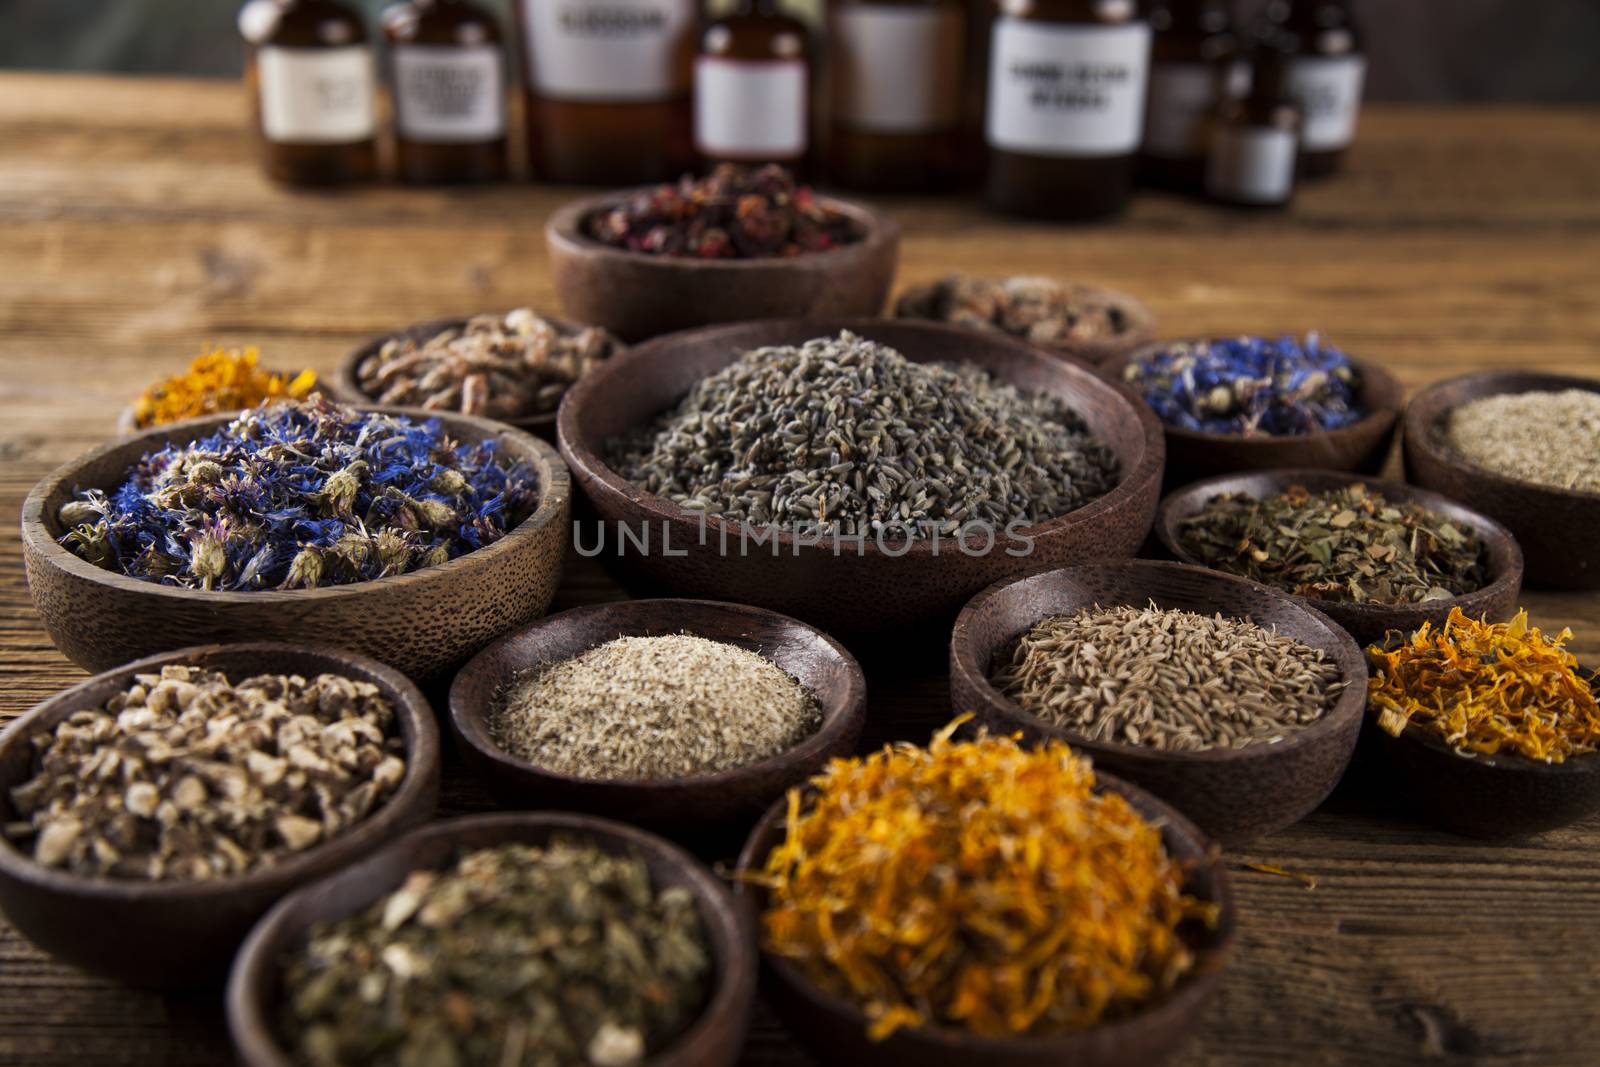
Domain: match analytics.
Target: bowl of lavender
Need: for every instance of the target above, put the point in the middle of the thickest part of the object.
(410, 537)
(742, 243)
(1245, 403)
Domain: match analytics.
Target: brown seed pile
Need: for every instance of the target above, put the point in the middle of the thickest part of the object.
(501, 368)
(1547, 438)
(187, 777)
(653, 708)
(1042, 310)
(1172, 680)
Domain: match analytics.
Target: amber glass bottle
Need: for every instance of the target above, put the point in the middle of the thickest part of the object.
(1255, 138)
(1066, 105)
(312, 85)
(1194, 63)
(607, 88)
(897, 72)
(752, 87)
(1327, 73)
(448, 71)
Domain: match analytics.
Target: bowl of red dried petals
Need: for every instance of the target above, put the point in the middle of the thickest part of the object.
(742, 243)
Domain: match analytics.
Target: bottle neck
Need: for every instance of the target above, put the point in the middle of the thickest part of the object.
(759, 7)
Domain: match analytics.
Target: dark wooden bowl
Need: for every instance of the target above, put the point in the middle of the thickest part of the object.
(735, 796)
(1367, 623)
(638, 296)
(850, 595)
(170, 934)
(1556, 527)
(714, 1040)
(1498, 797)
(421, 623)
(1363, 446)
(1140, 332)
(835, 1030)
(345, 385)
(1234, 794)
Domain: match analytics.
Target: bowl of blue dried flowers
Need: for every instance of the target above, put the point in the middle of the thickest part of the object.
(410, 537)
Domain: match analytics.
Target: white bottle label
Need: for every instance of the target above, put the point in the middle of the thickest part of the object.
(1181, 98)
(449, 95)
(1063, 90)
(750, 109)
(1251, 165)
(316, 95)
(612, 51)
(1329, 92)
(898, 69)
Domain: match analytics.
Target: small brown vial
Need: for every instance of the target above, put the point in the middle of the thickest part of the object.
(1327, 73)
(752, 88)
(897, 72)
(1254, 139)
(1194, 64)
(312, 85)
(447, 66)
(607, 88)
(1066, 106)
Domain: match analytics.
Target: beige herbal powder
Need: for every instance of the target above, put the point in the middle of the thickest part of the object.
(1547, 438)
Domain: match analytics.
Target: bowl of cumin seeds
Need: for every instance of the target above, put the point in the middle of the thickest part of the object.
(864, 475)
(1230, 700)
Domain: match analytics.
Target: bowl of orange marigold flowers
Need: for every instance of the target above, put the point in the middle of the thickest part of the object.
(983, 900)
(1485, 729)
(217, 382)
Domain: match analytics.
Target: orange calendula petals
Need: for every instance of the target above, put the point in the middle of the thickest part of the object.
(1486, 688)
(219, 381)
(979, 885)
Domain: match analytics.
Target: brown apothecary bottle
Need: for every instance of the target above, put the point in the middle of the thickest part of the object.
(310, 74)
(606, 88)
(1195, 63)
(897, 70)
(1327, 74)
(1065, 112)
(1255, 138)
(447, 69)
(752, 88)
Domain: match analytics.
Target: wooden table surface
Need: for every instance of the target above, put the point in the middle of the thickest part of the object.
(135, 228)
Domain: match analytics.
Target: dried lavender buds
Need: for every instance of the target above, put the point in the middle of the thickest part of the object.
(1546, 438)
(563, 955)
(509, 367)
(1041, 310)
(847, 436)
(301, 494)
(187, 777)
(654, 708)
(1171, 680)
(734, 213)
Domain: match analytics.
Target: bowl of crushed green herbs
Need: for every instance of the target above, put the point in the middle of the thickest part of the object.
(413, 537)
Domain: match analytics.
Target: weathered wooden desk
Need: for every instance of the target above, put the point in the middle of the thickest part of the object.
(135, 228)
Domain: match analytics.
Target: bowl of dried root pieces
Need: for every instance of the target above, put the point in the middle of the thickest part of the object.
(522, 938)
(1232, 701)
(151, 814)
(513, 368)
(985, 900)
(1371, 555)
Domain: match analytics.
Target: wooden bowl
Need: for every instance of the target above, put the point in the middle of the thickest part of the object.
(735, 796)
(1141, 323)
(1233, 794)
(1556, 527)
(637, 296)
(1367, 623)
(1363, 446)
(1497, 797)
(852, 594)
(345, 385)
(835, 1030)
(169, 934)
(421, 623)
(714, 1040)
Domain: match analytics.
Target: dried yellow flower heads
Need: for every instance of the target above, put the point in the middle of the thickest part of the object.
(220, 381)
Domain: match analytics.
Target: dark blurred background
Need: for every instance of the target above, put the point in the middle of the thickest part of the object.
(1421, 50)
